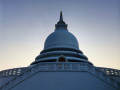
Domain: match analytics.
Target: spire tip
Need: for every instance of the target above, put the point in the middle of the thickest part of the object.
(61, 23)
(61, 16)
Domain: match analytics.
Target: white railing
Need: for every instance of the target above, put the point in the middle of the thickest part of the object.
(110, 72)
(61, 66)
(12, 72)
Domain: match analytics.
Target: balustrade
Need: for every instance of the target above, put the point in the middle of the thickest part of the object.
(12, 72)
(59, 66)
(110, 72)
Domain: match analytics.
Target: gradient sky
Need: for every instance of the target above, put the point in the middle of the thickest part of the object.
(25, 24)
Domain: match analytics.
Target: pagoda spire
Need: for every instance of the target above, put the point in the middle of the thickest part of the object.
(61, 16)
(61, 23)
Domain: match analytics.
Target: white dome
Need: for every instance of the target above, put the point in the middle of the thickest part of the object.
(61, 38)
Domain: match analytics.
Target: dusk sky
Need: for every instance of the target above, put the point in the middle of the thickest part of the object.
(25, 24)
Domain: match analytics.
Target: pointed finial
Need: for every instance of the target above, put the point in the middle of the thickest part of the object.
(61, 16)
(61, 23)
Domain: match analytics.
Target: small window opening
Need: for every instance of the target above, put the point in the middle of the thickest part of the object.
(62, 59)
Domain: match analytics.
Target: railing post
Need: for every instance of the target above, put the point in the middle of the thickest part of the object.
(62, 66)
(47, 67)
(55, 66)
(70, 66)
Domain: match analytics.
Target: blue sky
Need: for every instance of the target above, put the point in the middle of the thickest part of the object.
(25, 24)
